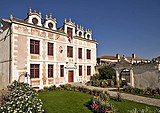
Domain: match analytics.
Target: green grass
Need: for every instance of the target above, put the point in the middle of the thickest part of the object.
(65, 101)
(61, 101)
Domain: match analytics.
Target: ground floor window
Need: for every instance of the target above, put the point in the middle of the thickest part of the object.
(50, 71)
(34, 70)
(88, 70)
(61, 70)
(80, 70)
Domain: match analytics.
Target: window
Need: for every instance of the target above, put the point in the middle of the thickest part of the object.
(88, 36)
(35, 21)
(80, 33)
(34, 70)
(69, 32)
(88, 54)
(61, 70)
(50, 71)
(69, 51)
(80, 70)
(88, 70)
(80, 53)
(50, 25)
(50, 49)
(34, 46)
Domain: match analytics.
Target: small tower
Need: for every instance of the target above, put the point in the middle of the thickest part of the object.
(80, 31)
(34, 17)
(88, 34)
(50, 22)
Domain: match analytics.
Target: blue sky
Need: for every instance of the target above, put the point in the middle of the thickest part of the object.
(119, 26)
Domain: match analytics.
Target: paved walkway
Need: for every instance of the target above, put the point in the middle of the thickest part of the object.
(140, 99)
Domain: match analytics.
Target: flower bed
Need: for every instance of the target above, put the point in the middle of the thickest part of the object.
(146, 92)
(101, 104)
(21, 98)
(100, 83)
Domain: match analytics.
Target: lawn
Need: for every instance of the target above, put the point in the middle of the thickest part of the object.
(62, 101)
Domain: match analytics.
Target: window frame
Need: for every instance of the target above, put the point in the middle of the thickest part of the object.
(88, 54)
(80, 70)
(70, 51)
(61, 70)
(50, 49)
(80, 53)
(34, 46)
(50, 70)
(35, 69)
(88, 70)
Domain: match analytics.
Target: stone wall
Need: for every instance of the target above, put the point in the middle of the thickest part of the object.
(146, 75)
(4, 58)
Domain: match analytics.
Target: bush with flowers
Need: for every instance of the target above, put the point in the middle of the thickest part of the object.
(21, 99)
(101, 104)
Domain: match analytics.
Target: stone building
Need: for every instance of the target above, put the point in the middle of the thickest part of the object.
(102, 60)
(45, 54)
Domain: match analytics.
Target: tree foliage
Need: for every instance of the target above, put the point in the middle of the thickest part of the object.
(107, 72)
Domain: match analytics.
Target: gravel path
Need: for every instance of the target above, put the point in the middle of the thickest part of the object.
(140, 99)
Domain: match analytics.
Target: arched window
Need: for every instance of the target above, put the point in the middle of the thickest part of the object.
(50, 25)
(35, 21)
(80, 33)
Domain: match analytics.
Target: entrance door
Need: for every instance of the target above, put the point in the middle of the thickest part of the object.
(70, 76)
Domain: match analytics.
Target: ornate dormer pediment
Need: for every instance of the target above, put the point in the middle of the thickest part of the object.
(34, 17)
(80, 31)
(69, 23)
(50, 22)
(88, 34)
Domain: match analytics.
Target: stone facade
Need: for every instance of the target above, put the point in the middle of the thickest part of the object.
(16, 49)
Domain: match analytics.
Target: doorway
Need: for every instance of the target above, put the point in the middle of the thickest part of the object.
(71, 76)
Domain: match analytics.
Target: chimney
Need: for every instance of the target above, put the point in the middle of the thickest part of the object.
(133, 55)
(117, 56)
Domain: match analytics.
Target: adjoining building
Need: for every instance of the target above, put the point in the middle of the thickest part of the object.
(102, 60)
(46, 54)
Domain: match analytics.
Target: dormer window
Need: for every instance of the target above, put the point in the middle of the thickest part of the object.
(80, 34)
(35, 21)
(69, 32)
(50, 25)
(88, 36)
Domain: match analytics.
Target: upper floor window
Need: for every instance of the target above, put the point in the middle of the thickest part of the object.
(34, 46)
(35, 21)
(80, 33)
(80, 70)
(69, 51)
(50, 49)
(61, 70)
(69, 32)
(50, 71)
(80, 53)
(50, 25)
(88, 54)
(88, 70)
(34, 70)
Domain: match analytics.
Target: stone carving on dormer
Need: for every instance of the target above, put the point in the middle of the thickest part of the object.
(80, 31)
(50, 22)
(34, 17)
(88, 34)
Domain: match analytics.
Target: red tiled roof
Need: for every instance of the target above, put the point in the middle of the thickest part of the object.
(121, 57)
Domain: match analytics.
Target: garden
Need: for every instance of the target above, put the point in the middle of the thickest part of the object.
(21, 98)
(105, 78)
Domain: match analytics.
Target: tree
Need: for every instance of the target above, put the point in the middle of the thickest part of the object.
(107, 72)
